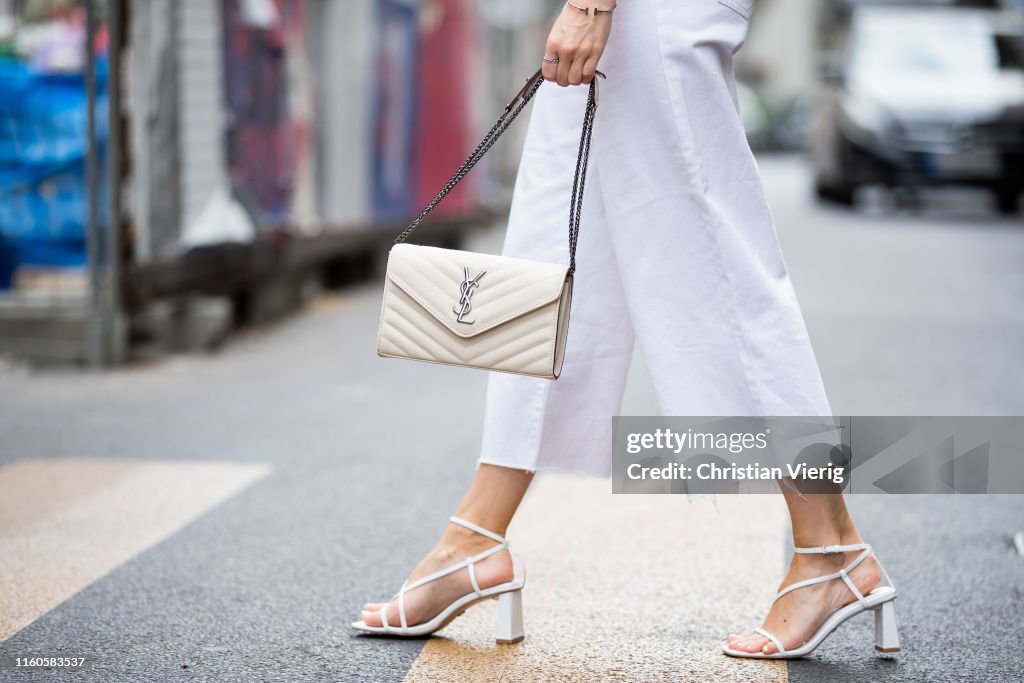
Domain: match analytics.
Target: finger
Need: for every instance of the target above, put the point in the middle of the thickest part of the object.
(576, 70)
(564, 64)
(549, 70)
(590, 69)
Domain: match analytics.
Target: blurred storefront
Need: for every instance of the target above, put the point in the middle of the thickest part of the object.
(54, 144)
(248, 149)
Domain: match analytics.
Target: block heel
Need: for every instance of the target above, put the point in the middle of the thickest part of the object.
(887, 637)
(509, 628)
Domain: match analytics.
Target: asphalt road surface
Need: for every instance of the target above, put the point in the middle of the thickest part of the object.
(221, 517)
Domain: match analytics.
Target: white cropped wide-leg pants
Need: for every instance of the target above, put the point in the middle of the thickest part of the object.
(677, 249)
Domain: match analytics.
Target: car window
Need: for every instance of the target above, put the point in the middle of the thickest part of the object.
(924, 47)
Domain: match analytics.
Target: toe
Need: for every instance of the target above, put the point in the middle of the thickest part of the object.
(760, 644)
(751, 642)
(744, 642)
(371, 614)
(736, 640)
(368, 608)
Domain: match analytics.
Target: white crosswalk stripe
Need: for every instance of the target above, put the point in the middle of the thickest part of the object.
(64, 523)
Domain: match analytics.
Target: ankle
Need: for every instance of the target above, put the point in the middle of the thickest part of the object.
(458, 541)
(833, 537)
(818, 564)
(845, 534)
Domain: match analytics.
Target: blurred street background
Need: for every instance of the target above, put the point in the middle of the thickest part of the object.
(205, 469)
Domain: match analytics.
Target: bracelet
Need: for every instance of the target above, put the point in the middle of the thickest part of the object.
(593, 11)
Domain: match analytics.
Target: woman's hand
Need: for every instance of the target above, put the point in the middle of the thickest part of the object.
(577, 40)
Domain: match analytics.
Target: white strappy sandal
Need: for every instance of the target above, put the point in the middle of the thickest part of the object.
(879, 601)
(509, 628)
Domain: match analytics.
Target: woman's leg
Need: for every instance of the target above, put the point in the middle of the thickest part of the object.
(490, 502)
(532, 423)
(708, 293)
(818, 519)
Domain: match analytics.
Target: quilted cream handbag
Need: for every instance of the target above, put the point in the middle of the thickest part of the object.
(480, 310)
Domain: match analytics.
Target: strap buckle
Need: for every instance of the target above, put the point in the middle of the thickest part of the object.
(530, 83)
(597, 90)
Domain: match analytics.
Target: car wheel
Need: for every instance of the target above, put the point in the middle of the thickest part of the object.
(1008, 201)
(839, 193)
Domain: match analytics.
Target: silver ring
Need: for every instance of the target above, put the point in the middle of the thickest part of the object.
(551, 60)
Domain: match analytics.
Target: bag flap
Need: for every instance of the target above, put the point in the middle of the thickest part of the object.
(470, 293)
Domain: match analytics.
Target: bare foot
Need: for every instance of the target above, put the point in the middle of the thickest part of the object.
(796, 616)
(425, 602)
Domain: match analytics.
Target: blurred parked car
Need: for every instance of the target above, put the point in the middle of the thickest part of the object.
(919, 96)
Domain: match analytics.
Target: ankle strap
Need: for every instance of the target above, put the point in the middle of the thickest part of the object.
(843, 573)
(480, 530)
(832, 549)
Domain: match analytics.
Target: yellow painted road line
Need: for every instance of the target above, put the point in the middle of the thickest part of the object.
(624, 588)
(65, 523)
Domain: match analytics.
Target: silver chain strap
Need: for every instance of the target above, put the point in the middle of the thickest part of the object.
(509, 115)
(580, 179)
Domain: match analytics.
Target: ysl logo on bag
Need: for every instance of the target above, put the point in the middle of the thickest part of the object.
(466, 295)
